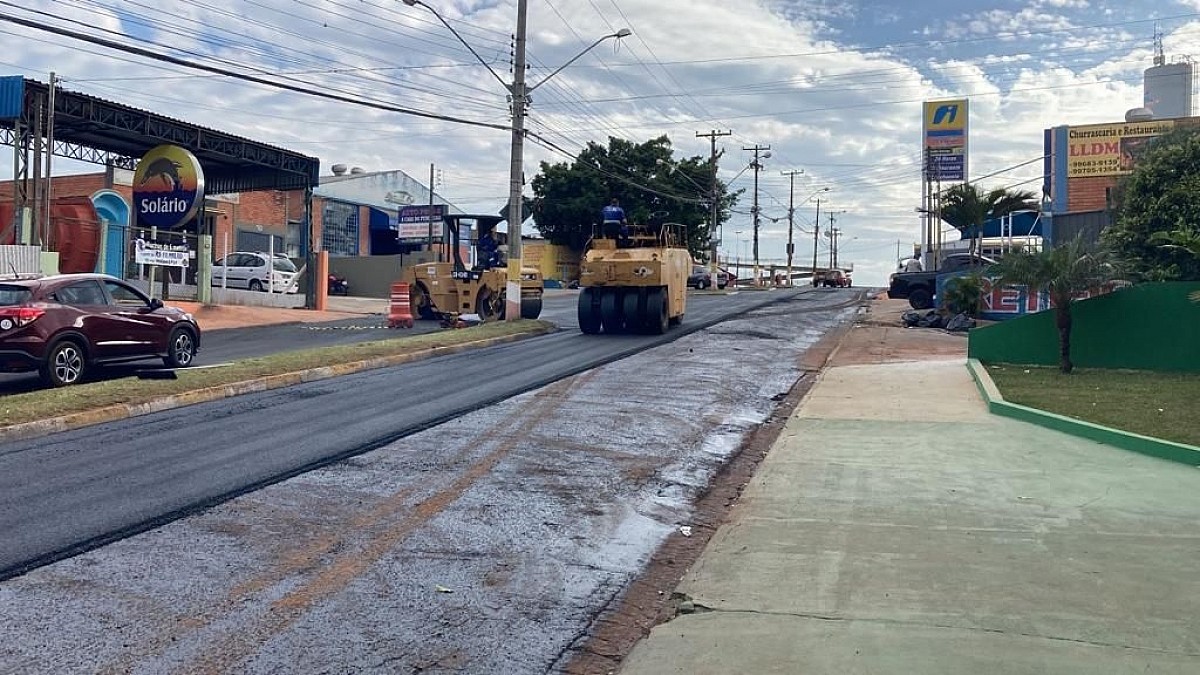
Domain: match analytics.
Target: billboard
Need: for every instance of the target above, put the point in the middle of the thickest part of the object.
(412, 222)
(1109, 149)
(944, 133)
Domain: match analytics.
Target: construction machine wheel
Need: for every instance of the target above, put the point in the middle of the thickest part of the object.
(489, 305)
(420, 301)
(531, 308)
(656, 319)
(633, 314)
(610, 311)
(589, 312)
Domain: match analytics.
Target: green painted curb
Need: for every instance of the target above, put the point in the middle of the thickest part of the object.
(120, 411)
(1126, 440)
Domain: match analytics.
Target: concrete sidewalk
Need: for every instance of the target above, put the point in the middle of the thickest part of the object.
(897, 527)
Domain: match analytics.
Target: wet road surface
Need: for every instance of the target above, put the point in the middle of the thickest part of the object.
(535, 511)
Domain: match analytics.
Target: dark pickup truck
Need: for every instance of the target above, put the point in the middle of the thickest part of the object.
(921, 287)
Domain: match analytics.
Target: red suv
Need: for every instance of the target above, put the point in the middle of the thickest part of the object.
(63, 325)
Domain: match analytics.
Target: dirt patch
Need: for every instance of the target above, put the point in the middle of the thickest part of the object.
(879, 336)
(649, 600)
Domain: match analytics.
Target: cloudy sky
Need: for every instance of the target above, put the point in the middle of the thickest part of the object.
(834, 88)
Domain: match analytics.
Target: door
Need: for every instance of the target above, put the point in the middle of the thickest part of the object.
(106, 338)
(143, 329)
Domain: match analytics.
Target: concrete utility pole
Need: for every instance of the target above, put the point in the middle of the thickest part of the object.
(791, 248)
(816, 238)
(715, 206)
(439, 255)
(757, 166)
(49, 199)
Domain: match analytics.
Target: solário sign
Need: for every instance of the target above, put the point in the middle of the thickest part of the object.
(168, 187)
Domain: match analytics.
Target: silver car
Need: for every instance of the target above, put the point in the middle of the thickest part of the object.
(243, 269)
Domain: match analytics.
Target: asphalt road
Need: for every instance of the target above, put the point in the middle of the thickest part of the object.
(488, 544)
(66, 493)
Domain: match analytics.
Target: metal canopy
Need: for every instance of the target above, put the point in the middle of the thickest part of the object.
(94, 130)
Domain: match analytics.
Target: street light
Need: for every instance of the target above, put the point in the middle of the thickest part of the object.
(520, 99)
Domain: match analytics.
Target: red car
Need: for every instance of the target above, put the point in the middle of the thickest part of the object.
(65, 324)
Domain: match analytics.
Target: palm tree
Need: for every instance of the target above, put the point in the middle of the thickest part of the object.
(1064, 272)
(967, 207)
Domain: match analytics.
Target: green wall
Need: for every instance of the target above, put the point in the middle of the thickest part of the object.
(1143, 327)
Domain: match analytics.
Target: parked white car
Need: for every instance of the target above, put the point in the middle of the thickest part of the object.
(243, 269)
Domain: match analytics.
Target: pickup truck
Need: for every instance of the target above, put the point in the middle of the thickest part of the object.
(921, 287)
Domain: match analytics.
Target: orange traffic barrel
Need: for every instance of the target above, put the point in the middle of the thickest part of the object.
(400, 315)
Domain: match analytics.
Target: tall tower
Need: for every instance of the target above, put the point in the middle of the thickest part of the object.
(1169, 89)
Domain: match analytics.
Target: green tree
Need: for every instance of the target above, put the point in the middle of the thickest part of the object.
(966, 207)
(1185, 239)
(645, 177)
(1162, 195)
(1063, 272)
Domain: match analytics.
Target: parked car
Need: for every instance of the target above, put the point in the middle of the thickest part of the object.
(701, 278)
(242, 269)
(64, 325)
(921, 287)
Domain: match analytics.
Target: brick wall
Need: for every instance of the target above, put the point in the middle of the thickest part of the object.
(1088, 194)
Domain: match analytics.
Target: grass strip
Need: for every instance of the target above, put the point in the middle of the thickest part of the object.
(48, 403)
(1156, 404)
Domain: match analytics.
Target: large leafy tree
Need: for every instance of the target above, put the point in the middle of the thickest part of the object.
(966, 207)
(647, 179)
(1162, 195)
(1063, 272)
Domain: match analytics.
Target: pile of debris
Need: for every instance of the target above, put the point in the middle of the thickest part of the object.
(933, 319)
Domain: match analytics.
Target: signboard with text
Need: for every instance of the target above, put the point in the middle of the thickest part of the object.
(168, 187)
(413, 222)
(1109, 149)
(944, 133)
(153, 253)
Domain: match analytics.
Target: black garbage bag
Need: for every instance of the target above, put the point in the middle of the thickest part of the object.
(911, 318)
(960, 322)
(930, 319)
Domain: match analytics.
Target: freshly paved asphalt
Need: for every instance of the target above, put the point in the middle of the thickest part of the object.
(63, 494)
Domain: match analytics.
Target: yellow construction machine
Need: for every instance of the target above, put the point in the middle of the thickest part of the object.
(448, 289)
(634, 279)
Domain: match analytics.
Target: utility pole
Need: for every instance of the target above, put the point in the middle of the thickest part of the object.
(48, 199)
(757, 166)
(816, 238)
(439, 255)
(715, 206)
(516, 172)
(791, 248)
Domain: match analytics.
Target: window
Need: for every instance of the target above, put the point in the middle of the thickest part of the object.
(124, 295)
(339, 228)
(293, 242)
(13, 295)
(251, 261)
(83, 293)
(284, 265)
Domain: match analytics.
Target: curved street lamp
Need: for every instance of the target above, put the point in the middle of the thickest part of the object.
(520, 100)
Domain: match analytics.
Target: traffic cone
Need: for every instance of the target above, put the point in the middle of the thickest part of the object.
(400, 315)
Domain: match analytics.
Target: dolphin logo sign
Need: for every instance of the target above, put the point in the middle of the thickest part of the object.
(939, 115)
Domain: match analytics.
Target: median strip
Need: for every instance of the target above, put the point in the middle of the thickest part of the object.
(49, 411)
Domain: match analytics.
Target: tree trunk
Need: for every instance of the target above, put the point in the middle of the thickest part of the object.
(1062, 316)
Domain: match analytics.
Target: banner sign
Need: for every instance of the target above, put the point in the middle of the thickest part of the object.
(153, 253)
(413, 222)
(168, 187)
(1109, 149)
(944, 133)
